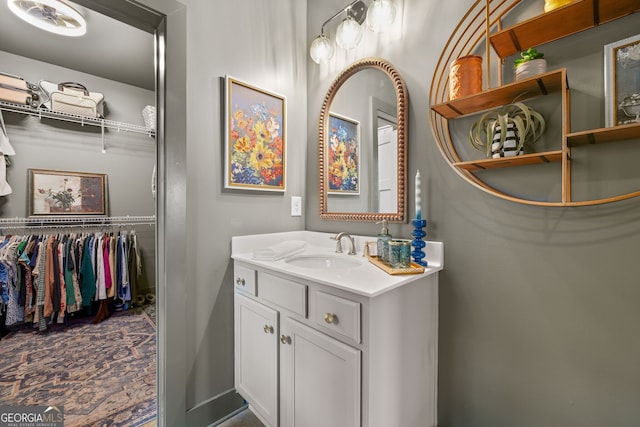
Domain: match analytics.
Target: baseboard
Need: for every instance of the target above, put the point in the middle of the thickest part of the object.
(216, 409)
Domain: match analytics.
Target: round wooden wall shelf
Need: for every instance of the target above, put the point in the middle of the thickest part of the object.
(478, 29)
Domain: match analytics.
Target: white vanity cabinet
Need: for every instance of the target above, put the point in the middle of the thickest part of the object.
(319, 379)
(312, 379)
(256, 356)
(309, 354)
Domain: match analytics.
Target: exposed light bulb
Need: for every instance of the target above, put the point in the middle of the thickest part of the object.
(321, 49)
(380, 15)
(349, 33)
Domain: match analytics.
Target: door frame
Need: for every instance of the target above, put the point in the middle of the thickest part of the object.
(162, 18)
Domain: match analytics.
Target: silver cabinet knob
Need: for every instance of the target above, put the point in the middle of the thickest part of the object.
(240, 281)
(268, 329)
(285, 339)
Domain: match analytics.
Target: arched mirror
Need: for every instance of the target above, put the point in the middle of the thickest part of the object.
(363, 144)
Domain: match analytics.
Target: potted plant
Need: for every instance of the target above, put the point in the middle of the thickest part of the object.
(506, 131)
(530, 63)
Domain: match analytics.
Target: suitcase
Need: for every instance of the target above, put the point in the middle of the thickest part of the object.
(18, 91)
(72, 98)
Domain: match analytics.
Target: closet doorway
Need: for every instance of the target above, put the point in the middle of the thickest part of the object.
(153, 24)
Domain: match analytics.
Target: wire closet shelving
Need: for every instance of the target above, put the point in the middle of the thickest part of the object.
(61, 223)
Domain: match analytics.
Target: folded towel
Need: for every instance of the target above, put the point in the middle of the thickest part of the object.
(279, 250)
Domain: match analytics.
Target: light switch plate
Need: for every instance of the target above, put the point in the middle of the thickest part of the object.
(296, 206)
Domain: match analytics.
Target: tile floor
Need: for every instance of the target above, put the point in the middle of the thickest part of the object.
(242, 419)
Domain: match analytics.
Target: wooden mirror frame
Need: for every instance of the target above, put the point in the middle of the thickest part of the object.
(402, 101)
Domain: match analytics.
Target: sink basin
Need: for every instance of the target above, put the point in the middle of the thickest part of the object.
(324, 262)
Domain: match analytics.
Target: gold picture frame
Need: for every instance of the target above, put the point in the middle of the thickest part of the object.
(54, 193)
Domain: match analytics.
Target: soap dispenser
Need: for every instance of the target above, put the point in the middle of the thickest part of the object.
(383, 242)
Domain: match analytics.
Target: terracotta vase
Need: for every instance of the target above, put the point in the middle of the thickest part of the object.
(465, 76)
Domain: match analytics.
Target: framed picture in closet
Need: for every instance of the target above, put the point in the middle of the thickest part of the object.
(255, 138)
(64, 193)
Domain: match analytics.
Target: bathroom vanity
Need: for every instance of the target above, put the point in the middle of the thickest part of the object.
(326, 339)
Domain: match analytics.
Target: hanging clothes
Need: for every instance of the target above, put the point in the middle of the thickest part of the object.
(44, 278)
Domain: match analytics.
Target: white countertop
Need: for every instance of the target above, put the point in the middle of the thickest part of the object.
(365, 279)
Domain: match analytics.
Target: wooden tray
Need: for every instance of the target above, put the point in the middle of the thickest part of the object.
(414, 269)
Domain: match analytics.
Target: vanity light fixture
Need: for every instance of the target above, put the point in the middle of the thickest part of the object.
(349, 33)
(380, 15)
(55, 16)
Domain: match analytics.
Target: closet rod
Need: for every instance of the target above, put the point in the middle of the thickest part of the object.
(67, 222)
(42, 113)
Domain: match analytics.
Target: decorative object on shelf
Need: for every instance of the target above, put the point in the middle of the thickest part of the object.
(465, 76)
(550, 5)
(343, 156)
(418, 241)
(531, 63)
(524, 126)
(379, 16)
(56, 193)
(255, 138)
(622, 86)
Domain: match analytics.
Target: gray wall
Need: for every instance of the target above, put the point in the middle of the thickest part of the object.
(262, 43)
(51, 144)
(538, 306)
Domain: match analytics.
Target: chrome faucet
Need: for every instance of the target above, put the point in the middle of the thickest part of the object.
(338, 237)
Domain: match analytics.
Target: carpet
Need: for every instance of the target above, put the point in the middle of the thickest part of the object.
(103, 374)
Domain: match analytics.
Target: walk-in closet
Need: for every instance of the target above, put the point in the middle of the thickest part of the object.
(80, 186)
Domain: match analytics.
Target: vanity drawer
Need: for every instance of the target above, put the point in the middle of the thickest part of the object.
(284, 293)
(245, 279)
(338, 314)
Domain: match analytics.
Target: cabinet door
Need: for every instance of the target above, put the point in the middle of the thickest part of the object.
(320, 379)
(256, 356)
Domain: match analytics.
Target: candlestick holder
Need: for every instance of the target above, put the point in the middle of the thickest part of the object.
(418, 244)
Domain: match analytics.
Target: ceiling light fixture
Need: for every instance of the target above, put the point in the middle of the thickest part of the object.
(54, 16)
(380, 16)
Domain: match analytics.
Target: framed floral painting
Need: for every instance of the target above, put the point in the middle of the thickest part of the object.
(343, 155)
(62, 193)
(255, 138)
(622, 81)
